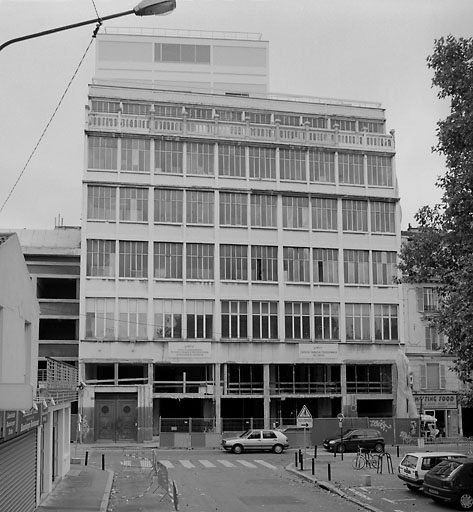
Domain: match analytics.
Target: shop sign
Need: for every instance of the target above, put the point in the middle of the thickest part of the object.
(28, 420)
(436, 401)
(10, 424)
(190, 352)
(318, 352)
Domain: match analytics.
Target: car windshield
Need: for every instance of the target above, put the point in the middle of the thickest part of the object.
(445, 468)
(410, 461)
(245, 434)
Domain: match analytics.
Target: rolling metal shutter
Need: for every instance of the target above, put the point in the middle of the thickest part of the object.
(18, 474)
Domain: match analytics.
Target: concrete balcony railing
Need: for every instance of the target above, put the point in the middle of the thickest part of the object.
(238, 131)
(58, 381)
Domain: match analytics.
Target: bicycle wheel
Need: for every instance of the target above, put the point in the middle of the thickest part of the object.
(373, 460)
(359, 462)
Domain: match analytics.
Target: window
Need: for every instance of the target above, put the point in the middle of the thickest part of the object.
(350, 169)
(324, 214)
(101, 258)
(315, 122)
(357, 318)
(356, 266)
(109, 107)
(262, 163)
(428, 299)
(265, 320)
(168, 156)
(99, 318)
(325, 263)
(101, 203)
(168, 206)
(259, 117)
(135, 155)
(231, 160)
(103, 153)
(264, 263)
(432, 376)
(133, 259)
(234, 262)
(297, 320)
(132, 323)
(190, 53)
(380, 172)
(199, 319)
(200, 207)
(137, 109)
(434, 340)
(326, 320)
(200, 158)
(355, 215)
(371, 126)
(383, 217)
(296, 264)
(384, 267)
(292, 164)
(134, 204)
(233, 209)
(263, 211)
(234, 319)
(386, 322)
(269, 434)
(344, 125)
(200, 261)
(372, 378)
(295, 212)
(322, 167)
(168, 111)
(167, 319)
(167, 260)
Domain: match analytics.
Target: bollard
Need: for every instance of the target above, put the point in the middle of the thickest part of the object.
(302, 463)
(313, 466)
(86, 458)
(329, 472)
(342, 456)
(295, 457)
(315, 451)
(334, 453)
(397, 451)
(103, 461)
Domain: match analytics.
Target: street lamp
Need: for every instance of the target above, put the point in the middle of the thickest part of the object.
(144, 8)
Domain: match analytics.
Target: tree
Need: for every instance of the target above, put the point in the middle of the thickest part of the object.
(440, 249)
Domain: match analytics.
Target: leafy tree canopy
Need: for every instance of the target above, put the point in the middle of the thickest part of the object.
(440, 249)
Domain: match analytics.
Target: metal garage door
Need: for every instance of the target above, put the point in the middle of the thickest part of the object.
(18, 473)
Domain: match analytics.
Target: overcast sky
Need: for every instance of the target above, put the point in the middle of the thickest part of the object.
(368, 50)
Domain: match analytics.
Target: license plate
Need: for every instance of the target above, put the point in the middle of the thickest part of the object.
(433, 491)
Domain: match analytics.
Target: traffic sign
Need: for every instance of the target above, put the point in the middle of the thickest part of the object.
(304, 418)
(304, 413)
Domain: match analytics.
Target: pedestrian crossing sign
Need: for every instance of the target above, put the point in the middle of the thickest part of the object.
(304, 418)
(304, 413)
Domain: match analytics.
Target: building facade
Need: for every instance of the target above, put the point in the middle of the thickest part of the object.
(238, 256)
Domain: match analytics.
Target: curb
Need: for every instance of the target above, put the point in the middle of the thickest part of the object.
(107, 491)
(331, 488)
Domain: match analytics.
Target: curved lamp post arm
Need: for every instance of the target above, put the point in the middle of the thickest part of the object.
(144, 8)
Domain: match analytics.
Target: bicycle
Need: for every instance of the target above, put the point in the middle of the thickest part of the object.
(365, 458)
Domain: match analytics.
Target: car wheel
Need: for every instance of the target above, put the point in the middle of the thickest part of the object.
(341, 448)
(238, 448)
(437, 500)
(465, 501)
(379, 447)
(278, 448)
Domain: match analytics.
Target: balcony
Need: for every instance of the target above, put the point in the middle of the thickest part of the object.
(238, 131)
(307, 388)
(58, 381)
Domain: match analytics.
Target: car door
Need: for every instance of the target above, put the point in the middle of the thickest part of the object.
(269, 439)
(353, 440)
(253, 441)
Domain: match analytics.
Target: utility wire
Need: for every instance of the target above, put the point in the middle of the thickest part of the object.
(51, 119)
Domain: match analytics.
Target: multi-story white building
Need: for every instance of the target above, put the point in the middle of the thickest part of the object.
(238, 248)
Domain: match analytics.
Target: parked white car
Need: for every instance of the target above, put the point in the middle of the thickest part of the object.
(414, 466)
(256, 440)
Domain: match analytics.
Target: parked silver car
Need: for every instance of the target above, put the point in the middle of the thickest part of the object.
(256, 440)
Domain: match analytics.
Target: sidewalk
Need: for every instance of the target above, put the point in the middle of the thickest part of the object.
(84, 488)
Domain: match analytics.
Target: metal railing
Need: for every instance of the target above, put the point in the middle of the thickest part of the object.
(58, 381)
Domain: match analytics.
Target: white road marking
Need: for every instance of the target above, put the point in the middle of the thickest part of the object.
(358, 493)
(246, 463)
(266, 464)
(227, 463)
(207, 464)
(167, 463)
(187, 464)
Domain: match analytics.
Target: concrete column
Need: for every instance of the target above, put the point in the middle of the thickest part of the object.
(266, 397)
(145, 413)
(48, 454)
(218, 399)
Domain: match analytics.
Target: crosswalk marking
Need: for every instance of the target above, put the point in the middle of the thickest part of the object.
(207, 464)
(266, 464)
(167, 463)
(246, 463)
(227, 463)
(187, 464)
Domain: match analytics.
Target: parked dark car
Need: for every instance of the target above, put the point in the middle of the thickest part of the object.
(451, 481)
(352, 439)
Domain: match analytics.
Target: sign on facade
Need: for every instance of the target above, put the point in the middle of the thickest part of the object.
(318, 352)
(189, 352)
(436, 401)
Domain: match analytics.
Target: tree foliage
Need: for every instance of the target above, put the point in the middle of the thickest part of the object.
(440, 249)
